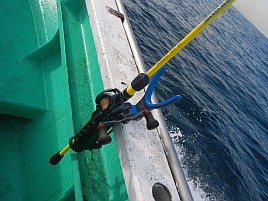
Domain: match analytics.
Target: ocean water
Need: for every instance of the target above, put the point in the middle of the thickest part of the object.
(220, 128)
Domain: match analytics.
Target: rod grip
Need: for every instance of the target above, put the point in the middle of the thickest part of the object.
(103, 136)
(55, 159)
(139, 82)
(152, 123)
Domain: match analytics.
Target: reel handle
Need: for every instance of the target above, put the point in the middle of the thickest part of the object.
(152, 123)
(103, 136)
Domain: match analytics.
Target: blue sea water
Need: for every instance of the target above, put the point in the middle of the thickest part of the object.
(222, 120)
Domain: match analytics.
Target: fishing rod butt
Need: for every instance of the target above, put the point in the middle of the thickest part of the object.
(56, 158)
(152, 123)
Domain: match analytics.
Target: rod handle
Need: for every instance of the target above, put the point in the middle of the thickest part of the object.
(139, 82)
(56, 158)
(152, 123)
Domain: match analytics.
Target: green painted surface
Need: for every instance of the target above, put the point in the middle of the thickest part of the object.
(49, 79)
(19, 78)
(35, 88)
(101, 174)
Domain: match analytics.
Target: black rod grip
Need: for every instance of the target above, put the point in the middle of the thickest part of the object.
(55, 159)
(141, 81)
(103, 136)
(152, 123)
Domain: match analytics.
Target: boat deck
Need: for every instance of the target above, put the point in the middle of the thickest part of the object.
(50, 77)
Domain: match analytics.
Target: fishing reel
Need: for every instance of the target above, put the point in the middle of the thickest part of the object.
(112, 107)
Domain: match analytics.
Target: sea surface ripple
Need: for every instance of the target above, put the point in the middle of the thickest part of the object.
(220, 128)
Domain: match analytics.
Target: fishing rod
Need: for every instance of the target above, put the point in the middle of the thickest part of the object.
(112, 108)
(94, 134)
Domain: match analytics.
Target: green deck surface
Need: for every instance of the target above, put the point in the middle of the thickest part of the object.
(49, 79)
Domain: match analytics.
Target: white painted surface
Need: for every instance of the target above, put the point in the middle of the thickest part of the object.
(256, 12)
(141, 153)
